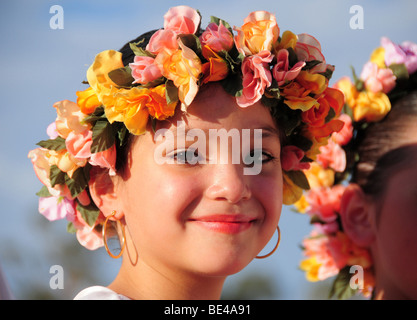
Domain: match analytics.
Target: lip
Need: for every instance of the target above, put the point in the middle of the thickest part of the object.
(224, 223)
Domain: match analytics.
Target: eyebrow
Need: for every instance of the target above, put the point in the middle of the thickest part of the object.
(267, 130)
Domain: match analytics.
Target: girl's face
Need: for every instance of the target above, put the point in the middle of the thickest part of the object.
(204, 218)
(395, 235)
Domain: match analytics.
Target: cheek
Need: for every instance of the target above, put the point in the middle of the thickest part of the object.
(268, 190)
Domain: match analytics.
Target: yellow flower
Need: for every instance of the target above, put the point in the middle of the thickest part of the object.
(288, 40)
(301, 205)
(348, 89)
(97, 74)
(371, 106)
(311, 267)
(318, 177)
(378, 57)
(291, 192)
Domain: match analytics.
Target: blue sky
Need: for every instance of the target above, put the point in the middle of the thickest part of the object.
(40, 66)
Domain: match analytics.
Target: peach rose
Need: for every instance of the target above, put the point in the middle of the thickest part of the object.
(377, 79)
(256, 77)
(69, 118)
(308, 48)
(346, 133)
(182, 20)
(325, 202)
(105, 159)
(332, 156)
(162, 40)
(78, 144)
(259, 32)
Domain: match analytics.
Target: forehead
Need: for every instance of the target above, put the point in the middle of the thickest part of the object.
(213, 108)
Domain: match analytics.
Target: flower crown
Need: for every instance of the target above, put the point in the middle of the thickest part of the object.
(390, 74)
(287, 73)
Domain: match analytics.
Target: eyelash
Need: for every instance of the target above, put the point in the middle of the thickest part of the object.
(186, 153)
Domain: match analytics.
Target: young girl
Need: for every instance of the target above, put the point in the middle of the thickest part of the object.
(144, 154)
(367, 233)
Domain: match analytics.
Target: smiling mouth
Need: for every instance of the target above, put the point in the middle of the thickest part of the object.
(224, 223)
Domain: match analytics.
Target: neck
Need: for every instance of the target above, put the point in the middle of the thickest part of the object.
(144, 282)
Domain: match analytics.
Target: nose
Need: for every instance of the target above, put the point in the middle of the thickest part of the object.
(228, 183)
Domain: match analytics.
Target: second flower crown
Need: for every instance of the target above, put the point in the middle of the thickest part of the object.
(255, 63)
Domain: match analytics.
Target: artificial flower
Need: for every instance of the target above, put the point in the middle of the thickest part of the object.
(144, 69)
(256, 78)
(158, 107)
(105, 159)
(325, 202)
(78, 144)
(319, 177)
(346, 133)
(259, 33)
(281, 71)
(69, 118)
(291, 192)
(87, 100)
(56, 208)
(215, 69)
(182, 20)
(332, 156)
(406, 54)
(371, 106)
(291, 157)
(217, 37)
(288, 40)
(308, 49)
(377, 79)
(162, 40)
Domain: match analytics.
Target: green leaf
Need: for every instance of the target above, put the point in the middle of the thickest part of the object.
(122, 77)
(171, 92)
(56, 176)
(330, 115)
(341, 285)
(139, 51)
(53, 144)
(71, 228)
(103, 136)
(44, 193)
(328, 73)
(299, 179)
(233, 84)
(77, 183)
(89, 213)
(217, 21)
(311, 64)
(399, 70)
(191, 41)
(96, 115)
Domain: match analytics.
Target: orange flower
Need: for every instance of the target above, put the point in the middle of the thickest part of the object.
(288, 40)
(87, 100)
(259, 32)
(158, 106)
(131, 106)
(215, 69)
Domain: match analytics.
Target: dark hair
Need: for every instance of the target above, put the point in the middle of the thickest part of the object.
(381, 149)
(128, 57)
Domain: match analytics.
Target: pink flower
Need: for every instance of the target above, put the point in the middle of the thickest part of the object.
(291, 159)
(280, 70)
(182, 20)
(87, 236)
(51, 131)
(162, 40)
(307, 49)
(345, 134)
(377, 79)
(144, 70)
(325, 202)
(78, 144)
(105, 159)
(69, 118)
(405, 53)
(256, 77)
(56, 208)
(217, 37)
(332, 156)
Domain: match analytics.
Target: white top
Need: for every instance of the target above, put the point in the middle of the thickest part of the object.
(99, 293)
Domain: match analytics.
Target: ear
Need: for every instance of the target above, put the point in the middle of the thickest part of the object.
(356, 215)
(103, 192)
